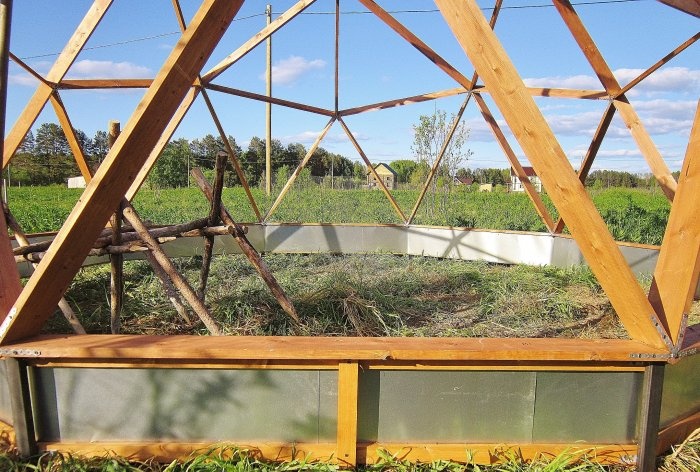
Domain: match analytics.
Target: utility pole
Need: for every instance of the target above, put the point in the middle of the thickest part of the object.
(268, 110)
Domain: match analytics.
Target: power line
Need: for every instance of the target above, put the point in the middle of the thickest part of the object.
(350, 12)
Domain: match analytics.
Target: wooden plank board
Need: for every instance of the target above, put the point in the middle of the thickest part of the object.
(348, 386)
(71, 137)
(676, 274)
(550, 163)
(90, 84)
(273, 100)
(118, 170)
(612, 87)
(403, 101)
(59, 69)
(119, 348)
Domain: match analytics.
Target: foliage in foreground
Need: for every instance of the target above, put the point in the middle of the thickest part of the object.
(684, 458)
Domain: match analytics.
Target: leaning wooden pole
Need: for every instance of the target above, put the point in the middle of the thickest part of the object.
(178, 280)
(116, 261)
(22, 240)
(250, 252)
(213, 220)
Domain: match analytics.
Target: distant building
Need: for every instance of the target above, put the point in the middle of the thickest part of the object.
(463, 181)
(76, 182)
(386, 173)
(485, 187)
(517, 186)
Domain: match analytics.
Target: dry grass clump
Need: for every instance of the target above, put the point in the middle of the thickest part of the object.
(361, 295)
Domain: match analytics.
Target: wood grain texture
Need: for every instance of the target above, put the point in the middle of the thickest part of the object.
(348, 385)
(676, 274)
(117, 172)
(551, 164)
(10, 285)
(119, 348)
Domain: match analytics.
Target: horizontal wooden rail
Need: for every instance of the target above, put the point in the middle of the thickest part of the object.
(123, 348)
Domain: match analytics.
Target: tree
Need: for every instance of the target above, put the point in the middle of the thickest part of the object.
(404, 167)
(99, 147)
(429, 136)
(172, 167)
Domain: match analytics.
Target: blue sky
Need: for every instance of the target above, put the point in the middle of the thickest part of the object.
(136, 36)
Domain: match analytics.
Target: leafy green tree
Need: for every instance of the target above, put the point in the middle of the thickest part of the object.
(404, 167)
(173, 165)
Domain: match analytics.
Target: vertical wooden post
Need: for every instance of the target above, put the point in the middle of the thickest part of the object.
(10, 285)
(20, 400)
(348, 385)
(116, 261)
(268, 108)
(214, 218)
(650, 417)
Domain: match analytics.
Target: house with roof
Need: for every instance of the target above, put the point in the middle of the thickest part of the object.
(517, 186)
(388, 175)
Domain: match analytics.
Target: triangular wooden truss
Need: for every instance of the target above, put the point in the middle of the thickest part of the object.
(656, 321)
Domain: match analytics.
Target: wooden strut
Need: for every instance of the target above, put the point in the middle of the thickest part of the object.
(250, 252)
(63, 304)
(213, 219)
(116, 261)
(170, 270)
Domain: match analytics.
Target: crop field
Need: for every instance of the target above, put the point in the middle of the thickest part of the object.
(632, 215)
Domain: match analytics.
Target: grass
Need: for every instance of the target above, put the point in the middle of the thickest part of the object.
(631, 215)
(360, 295)
(683, 458)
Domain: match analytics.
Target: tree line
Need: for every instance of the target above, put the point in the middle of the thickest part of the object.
(45, 158)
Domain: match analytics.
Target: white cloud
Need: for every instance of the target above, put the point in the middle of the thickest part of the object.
(667, 79)
(287, 71)
(108, 69)
(573, 82)
(24, 79)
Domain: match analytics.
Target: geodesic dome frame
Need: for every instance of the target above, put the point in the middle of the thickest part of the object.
(655, 323)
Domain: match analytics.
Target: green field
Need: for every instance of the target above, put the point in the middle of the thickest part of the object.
(632, 215)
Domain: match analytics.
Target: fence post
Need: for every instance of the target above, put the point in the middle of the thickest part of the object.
(348, 378)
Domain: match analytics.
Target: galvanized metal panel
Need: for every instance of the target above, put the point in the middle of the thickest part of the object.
(448, 406)
(188, 405)
(681, 393)
(600, 407)
(506, 248)
(5, 404)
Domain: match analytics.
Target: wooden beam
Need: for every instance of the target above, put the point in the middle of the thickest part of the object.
(627, 112)
(257, 38)
(58, 71)
(120, 167)
(590, 156)
(691, 7)
(292, 178)
(213, 220)
(661, 62)
(371, 168)
(676, 274)
(550, 163)
(10, 284)
(417, 43)
(106, 349)
(29, 70)
(403, 101)
(348, 387)
(71, 137)
(530, 189)
(93, 84)
(275, 101)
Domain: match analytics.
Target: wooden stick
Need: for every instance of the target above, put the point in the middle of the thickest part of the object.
(362, 154)
(170, 270)
(116, 261)
(127, 158)
(250, 252)
(71, 137)
(58, 71)
(214, 218)
(63, 304)
(31, 71)
(403, 101)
